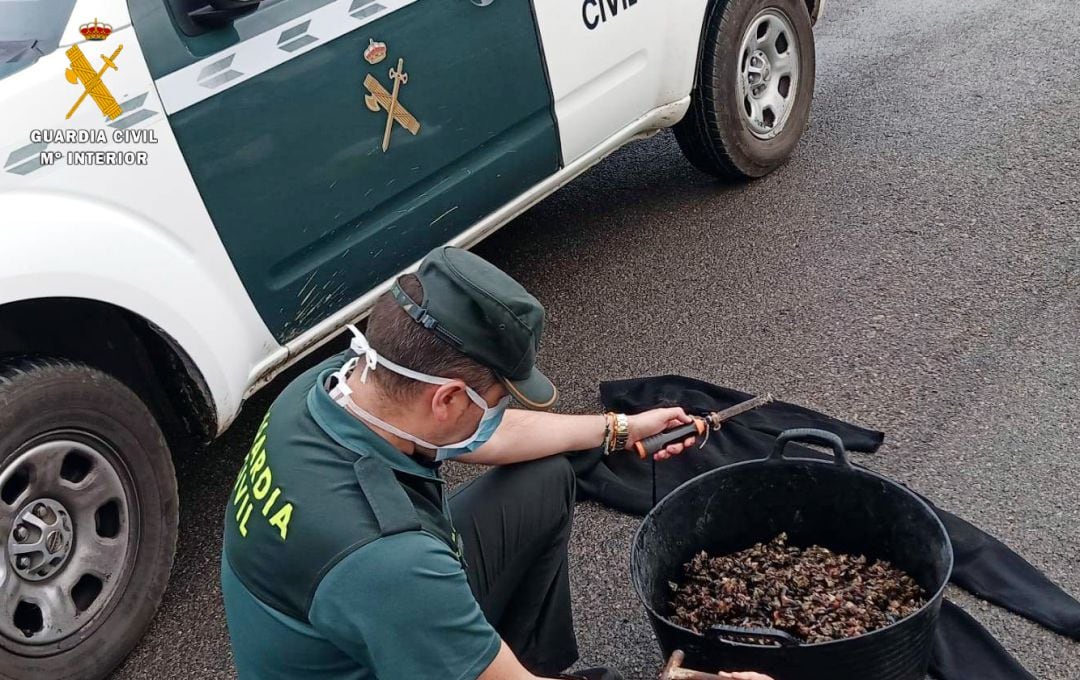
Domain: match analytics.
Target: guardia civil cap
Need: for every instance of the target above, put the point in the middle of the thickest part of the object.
(485, 314)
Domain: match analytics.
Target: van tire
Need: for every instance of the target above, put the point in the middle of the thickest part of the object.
(719, 135)
(76, 443)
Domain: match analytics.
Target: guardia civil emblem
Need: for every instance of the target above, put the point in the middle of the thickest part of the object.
(379, 99)
(81, 72)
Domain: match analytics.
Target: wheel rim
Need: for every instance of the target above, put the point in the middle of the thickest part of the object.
(66, 510)
(768, 73)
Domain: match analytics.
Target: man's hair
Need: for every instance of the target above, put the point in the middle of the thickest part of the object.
(394, 335)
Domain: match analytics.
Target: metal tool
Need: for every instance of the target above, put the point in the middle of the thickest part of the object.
(701, 425)
(673, 670)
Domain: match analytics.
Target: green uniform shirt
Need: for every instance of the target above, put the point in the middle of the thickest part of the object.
(339, 559)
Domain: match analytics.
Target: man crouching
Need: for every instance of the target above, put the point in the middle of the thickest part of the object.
(345, 557)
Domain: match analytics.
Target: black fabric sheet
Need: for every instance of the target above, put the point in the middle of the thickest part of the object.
(987, 568)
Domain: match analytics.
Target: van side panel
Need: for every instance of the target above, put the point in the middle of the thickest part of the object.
(79, 223)
(642, 54)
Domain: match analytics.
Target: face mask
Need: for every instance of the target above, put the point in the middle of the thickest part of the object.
(342, 394)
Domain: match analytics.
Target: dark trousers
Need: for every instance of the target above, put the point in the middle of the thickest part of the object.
(515, 524)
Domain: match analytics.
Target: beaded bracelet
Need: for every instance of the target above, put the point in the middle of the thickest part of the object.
(607, 435)
(611, 432)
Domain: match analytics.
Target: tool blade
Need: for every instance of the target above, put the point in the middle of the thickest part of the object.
(717, 418)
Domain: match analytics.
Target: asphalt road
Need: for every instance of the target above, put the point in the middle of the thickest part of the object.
(915, 268)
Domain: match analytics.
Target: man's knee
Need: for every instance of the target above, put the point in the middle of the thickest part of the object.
(557, 475)
(549, 484)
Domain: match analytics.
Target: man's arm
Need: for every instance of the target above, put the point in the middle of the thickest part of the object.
(528, 435)
(402, 607)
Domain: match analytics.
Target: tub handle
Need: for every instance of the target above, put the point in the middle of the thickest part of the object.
(771, 634)
(812, 436)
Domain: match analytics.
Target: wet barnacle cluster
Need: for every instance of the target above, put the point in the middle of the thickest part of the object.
(812, 593)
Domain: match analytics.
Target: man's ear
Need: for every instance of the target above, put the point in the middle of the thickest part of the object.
(448, 401)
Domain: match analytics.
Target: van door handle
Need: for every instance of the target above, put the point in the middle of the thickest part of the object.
(221, 13)
(482, 3)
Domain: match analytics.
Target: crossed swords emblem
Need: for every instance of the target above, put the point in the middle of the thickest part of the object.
(379, 99)
(82, 71)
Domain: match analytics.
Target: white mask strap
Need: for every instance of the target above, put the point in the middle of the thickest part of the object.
(342, 386)
(342, 393)
(359, 344)
(348, 404)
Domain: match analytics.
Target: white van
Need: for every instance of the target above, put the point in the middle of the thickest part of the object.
(195, 193)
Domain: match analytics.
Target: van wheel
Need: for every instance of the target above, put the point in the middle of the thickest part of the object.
(88, 517)
(754, 88)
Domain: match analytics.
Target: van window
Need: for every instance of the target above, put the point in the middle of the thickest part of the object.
(30, 30)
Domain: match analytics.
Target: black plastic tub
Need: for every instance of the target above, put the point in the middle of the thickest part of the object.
(828, 503)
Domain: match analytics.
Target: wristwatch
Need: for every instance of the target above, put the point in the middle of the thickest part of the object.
(622, 431)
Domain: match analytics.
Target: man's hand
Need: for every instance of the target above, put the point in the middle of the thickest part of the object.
(656, 421)
(745, 676)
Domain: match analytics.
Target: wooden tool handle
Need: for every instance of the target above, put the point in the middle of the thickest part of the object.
(673, 670)
(650, 445)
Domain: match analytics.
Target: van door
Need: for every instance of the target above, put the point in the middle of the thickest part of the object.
(334, 142)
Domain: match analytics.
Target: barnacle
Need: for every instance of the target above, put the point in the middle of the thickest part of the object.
(811, 593)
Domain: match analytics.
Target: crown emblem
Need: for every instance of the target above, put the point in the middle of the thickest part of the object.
(375, 52)
(95, 30)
